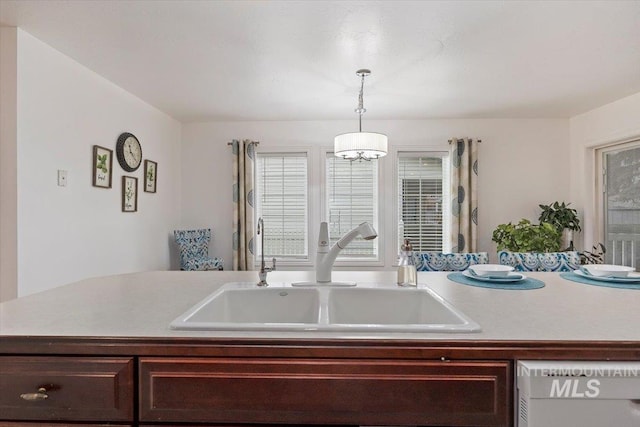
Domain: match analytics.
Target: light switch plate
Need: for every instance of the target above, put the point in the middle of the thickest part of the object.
(62, 178)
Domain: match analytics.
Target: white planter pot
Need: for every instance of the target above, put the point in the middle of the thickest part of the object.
(567, 238)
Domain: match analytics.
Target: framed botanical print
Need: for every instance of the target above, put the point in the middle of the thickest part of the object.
(150, 176)
(102, 166)
(129, 194)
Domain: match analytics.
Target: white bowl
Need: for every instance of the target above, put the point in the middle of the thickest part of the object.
(496, 270)
(608, 270)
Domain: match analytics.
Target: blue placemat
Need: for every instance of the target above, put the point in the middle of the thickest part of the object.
(522, 285)
(585, 280)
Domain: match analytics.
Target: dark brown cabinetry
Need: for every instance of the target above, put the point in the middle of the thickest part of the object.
(170, 382)
(66, 389)
(299, 391)
(48, 424)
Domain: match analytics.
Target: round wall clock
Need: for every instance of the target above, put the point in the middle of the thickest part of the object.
(129, 152)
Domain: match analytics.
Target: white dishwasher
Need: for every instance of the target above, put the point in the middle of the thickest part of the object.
(577, 394)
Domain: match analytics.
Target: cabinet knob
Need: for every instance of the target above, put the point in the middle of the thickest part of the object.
(40, 395)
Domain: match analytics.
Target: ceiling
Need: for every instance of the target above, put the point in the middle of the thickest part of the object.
(296, 60)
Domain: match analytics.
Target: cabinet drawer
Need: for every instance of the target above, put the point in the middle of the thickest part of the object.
(411, 392)
(71, 388)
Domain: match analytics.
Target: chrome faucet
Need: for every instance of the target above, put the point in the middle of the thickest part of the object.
(262, 274)
(325, 257)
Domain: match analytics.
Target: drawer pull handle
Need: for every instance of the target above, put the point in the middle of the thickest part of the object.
(40, 395)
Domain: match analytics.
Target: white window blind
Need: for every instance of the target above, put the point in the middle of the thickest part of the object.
(423, 194)
(352, 198)
(281, 184)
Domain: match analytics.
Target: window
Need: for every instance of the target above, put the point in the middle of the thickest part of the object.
(281, 185)
(351, 199)
(621, 203)
(299, 187)
(423, 194)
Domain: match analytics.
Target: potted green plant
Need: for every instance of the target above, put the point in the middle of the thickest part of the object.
(527, 237)
(595, 256)
(563, 218)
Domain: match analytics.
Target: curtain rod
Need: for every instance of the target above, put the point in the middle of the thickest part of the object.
(258, 142)
(252, 142)
(478, 140)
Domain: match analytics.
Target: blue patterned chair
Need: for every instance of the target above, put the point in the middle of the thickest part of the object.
(438, 261)
(194, 250)
(540, 261)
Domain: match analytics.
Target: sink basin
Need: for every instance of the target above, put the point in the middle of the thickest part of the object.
(243, 306)
(393, 308)
(370, 308)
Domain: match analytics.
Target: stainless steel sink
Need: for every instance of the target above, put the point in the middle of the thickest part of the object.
(372, 308)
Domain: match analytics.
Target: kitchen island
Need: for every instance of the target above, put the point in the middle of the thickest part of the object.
(101, 351)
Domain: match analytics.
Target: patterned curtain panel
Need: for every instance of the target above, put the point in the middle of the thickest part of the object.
(243, 209)
(464, 184)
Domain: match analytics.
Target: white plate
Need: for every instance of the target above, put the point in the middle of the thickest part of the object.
(511, 277)
(490, 270)
(606, 270)
(631, 278)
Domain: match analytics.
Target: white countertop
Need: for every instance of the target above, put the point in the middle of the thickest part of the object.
(143, 305)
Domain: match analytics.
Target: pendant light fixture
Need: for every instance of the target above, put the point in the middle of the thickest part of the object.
(360, 145)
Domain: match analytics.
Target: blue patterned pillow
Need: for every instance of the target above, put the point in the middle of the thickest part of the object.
(559, 261)
(429, 261)
(438, 261)
(520, 261)
(543, 261)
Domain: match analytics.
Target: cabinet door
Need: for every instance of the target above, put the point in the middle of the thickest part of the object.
(297, 391)
(66, 388)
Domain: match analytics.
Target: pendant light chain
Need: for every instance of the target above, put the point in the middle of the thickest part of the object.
(361, 110)
(360, 145)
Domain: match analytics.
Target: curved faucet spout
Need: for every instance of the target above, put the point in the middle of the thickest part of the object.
(326, 257)
(262, 274)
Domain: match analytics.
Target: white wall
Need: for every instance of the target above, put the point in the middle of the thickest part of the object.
(70, 233)
(618, 121)
(522, 164)
(8, 156)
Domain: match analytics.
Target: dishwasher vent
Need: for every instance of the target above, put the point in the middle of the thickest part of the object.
(522, 412)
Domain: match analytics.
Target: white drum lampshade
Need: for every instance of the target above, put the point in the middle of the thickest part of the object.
(360, 145)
